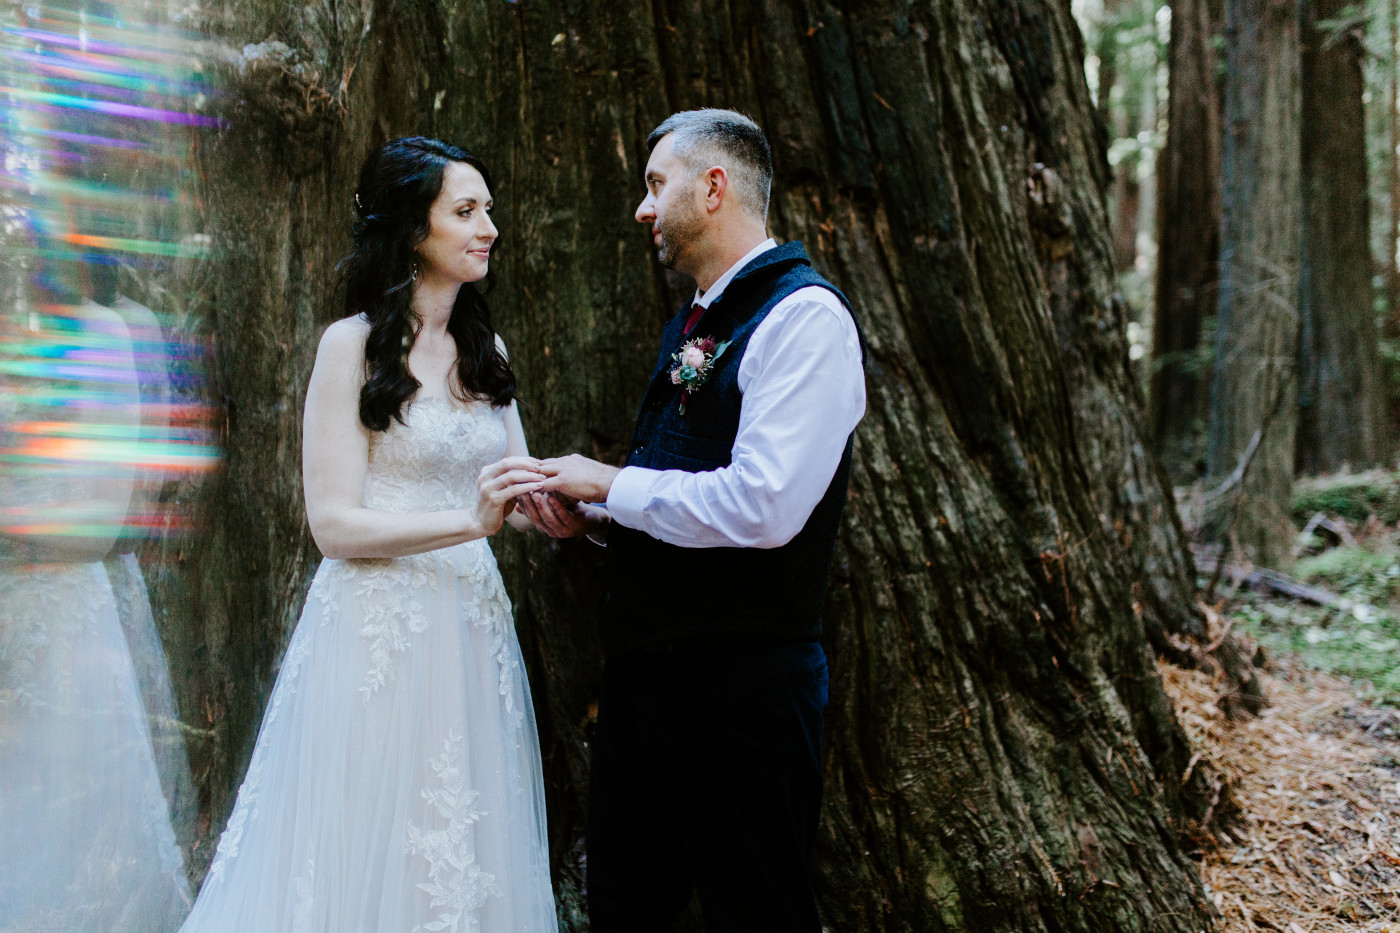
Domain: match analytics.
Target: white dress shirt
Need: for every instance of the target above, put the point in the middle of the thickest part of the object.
(804, 393)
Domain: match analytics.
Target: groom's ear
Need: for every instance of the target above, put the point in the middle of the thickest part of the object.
(716, 181)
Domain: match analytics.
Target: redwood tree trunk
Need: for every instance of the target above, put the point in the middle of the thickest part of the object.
(1122, 121)
(1188, 239)
(1341, 413)
(1392, 162)
(1000, 754)
(1254, 392)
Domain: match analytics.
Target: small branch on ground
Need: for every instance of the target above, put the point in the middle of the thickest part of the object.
(1321, 521)
(1271, 581)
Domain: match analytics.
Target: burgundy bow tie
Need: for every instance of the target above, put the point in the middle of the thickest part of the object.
(695, 311)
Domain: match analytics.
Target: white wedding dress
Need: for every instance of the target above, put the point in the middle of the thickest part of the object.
(396, 784)
(85, 837)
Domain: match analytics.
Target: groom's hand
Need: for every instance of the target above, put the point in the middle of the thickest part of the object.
(578, 477)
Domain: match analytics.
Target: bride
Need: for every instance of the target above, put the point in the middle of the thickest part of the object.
(396, 782)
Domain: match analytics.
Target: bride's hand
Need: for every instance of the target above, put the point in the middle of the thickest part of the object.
(497, 486)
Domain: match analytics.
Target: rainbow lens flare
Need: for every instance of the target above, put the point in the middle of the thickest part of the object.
(103, 415)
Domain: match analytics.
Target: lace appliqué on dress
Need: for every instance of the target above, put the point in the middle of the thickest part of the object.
(455, 881)
(304, 913)
(388, 590)
(489, 607)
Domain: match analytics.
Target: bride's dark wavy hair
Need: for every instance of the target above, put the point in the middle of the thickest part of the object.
(398, 185)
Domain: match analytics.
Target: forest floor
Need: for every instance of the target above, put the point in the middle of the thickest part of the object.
(1315, 846)
(1313, 783)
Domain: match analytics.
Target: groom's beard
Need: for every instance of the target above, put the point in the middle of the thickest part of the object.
(680, 231)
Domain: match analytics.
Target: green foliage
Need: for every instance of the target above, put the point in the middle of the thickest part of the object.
(1360, 639)
(1352, 16)
(1351, 496)
(1361, 572)
(1334, 642)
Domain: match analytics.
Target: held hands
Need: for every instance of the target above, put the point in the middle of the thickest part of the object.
(578, 477)
(555, 515)
(499, 484)
(560, 508)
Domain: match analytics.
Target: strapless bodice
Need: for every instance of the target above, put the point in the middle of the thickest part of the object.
(430, 461)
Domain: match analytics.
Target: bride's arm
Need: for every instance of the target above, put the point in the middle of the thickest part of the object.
(335, 463)
(515, 447)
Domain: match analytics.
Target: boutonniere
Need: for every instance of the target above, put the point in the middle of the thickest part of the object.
(695, 360)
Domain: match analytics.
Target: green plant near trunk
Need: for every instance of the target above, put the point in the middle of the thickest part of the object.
(1360, 638)
(1352, 496)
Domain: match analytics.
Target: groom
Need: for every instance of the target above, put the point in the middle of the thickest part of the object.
(706, 770)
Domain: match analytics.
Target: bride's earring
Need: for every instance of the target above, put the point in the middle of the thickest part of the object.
(417, 276)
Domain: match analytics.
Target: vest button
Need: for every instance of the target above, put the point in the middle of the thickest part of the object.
(640, 448)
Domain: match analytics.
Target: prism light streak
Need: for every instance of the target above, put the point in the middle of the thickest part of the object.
(125, 245)
(110, 107)
(132, 453)
(97, 116)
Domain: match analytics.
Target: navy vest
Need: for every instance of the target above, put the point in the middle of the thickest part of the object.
(660, 596)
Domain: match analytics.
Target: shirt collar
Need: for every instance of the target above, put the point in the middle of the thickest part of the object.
(717, 289)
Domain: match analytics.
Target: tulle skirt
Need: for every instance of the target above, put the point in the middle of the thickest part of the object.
(85, 835)
(396, 784)
(153, 680)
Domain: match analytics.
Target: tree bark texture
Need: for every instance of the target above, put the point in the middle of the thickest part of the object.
(1341, 406)
(1254, 390)
(1392, 162)
(1000, 754)
(1188, 240)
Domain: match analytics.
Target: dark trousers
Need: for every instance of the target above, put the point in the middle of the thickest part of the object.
(706, 776)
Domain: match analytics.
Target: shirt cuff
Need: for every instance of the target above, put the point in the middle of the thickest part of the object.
(628, 496)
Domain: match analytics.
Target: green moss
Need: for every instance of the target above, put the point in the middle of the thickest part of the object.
(1361, 639)
(1336, 642)
(1346, 568)
(1353, 496)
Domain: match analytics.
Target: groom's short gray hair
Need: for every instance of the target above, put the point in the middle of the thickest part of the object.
(726, 138)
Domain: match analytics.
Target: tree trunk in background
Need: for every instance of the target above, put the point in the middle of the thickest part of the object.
(1122, 121)
(1341, 415)
(1392, 161)
(1106, 50)
(1146, 106)
(1126, 193)
(1188, 240)
(1254, 391)
(1000, 754)
(1127, 204)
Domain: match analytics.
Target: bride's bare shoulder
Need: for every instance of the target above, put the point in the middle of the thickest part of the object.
(340, 359)
(345, 337)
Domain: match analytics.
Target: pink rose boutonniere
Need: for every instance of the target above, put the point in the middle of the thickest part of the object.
(694, 362)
